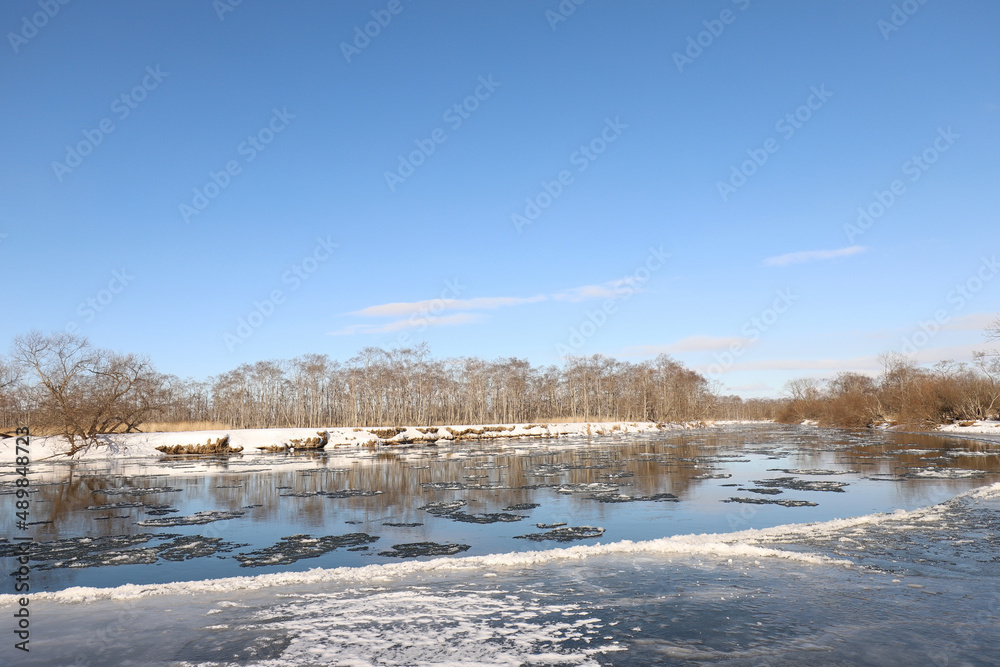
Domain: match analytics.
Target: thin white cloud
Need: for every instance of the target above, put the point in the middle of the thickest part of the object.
(870, 363)
(429, 311)
(856, 364)
(812, 256)
(932, 355)
(586, 292)
(434, 306)
(410, 323)
(689, 344)
(971, 322)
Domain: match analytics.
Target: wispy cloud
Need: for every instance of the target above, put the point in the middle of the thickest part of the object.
(868, 363)
(402, 309)
(411, 323)
(689, 344)
(431, 312)
(804, 256)
(971, 322)
(586, 292)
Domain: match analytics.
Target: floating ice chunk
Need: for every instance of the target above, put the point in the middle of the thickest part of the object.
(564, 534)
(196, 519)
(414, 549)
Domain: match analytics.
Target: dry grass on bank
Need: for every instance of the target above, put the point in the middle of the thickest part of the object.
(173, 427)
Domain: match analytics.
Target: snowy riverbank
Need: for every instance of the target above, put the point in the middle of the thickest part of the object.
(253, 441)
(984, 426)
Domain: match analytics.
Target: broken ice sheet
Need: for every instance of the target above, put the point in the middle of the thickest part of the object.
(81, 552)
(801, 484)
(444, 507)
(593, 487)
(564, 534)
(766, 501)
(414, 549)
(196, 519)
(297, 547)
(137, 490)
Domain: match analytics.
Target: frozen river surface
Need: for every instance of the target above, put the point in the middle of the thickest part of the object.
(684, 548)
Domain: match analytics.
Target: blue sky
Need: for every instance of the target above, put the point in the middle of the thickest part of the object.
(212, 184)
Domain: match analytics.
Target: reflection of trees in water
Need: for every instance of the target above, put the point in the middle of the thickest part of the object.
(662, 465)
(655, 467)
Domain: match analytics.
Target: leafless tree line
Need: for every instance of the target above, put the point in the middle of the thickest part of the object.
(404, 386)
(902, 393)
(63, 383)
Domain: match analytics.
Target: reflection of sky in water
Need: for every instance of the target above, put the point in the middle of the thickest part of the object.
(666, 463)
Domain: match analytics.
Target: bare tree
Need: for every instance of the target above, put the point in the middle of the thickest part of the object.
(993, 331)
(87, 391)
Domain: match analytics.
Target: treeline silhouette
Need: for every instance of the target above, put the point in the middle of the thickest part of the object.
(903, 393)
(60, 383)
(63, 383)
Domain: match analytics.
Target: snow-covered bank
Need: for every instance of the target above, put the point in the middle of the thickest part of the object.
(985, 426)
(135, 445)
(746, 545)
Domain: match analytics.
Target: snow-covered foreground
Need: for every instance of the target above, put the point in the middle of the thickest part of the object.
(135, 445)
(908, 587)
(696, 559)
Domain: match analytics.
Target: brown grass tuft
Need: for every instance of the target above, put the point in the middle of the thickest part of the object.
(220, 446)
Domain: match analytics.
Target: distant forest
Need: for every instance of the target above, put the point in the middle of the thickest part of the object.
(60, 383)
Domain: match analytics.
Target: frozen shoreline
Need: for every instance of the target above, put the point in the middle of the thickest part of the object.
(744, 544)
(141, 445)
